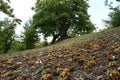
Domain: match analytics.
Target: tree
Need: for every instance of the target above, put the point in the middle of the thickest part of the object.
(5, 8)
(7, 26)
(109, 3)
(7, 31)
(57, 17)
(106, 1)
(30, 36)
(114, 18)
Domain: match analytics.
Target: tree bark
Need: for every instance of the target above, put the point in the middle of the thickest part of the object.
(63, 31)
(6, 49)
(7, 45)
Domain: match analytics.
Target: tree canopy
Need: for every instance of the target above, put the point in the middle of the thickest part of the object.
(114, 16)
(58, 17)
(5, 8)
(7, 34)
(7, 26)
(30, 35)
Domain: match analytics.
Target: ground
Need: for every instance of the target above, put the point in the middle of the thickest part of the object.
(92, 57)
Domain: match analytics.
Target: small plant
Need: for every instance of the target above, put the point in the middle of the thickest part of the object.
(45, 43)
(39, 70)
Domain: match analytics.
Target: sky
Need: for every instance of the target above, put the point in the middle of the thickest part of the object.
(98, 11)
(22, 10)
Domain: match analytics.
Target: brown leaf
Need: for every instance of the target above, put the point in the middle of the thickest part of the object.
(47, 77)
(8, 74)
(9, 61)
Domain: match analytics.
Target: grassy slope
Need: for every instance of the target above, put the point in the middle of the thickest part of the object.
(71, 41)
(75, 57)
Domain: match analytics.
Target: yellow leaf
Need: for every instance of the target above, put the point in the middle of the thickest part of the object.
(47, 77)
(19, 62)
(9, 61)
(33, 67)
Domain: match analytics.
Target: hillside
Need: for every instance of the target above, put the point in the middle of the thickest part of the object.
(90, 57)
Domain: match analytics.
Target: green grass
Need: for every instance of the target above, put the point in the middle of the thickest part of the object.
(67, 42)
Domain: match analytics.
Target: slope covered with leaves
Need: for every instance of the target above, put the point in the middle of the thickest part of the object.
(94, 57)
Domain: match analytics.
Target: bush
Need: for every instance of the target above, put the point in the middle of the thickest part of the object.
(45, 43)
(17, 46)
(42, 44)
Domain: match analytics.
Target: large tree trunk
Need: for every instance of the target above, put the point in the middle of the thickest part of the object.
(63, 31)
(63, 28)
(6, 47)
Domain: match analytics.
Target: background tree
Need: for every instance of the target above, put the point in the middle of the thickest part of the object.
(1, 37)
(7, 34)
(114, 18)
(57, 17)
(5, 8)
(30, 35)
(107, 2)
(7, 26)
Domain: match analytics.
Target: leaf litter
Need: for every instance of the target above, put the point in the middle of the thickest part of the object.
(95, 59)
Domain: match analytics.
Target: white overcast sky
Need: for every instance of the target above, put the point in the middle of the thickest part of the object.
(97, 10)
